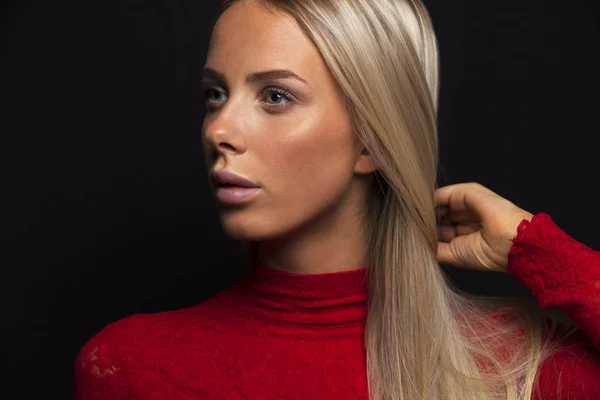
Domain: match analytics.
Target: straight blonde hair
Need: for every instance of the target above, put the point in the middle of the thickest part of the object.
(425, 338)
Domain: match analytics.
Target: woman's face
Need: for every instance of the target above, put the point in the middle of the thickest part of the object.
(291, 135)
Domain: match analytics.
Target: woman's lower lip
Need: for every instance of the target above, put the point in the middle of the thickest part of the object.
(235, 194)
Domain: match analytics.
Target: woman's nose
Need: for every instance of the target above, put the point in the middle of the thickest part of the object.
(222, 131)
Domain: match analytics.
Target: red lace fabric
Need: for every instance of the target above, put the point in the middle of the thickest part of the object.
(278, 335)
(562, 274)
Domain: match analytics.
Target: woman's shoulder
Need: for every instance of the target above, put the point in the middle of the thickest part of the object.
(572, 371)
(132, 345)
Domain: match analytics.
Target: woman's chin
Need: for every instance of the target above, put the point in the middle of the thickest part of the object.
(246, 234)
(238, 231)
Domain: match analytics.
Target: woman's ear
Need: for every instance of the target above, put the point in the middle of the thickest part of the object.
(364, 163)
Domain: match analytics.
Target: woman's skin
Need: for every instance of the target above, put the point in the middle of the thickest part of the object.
(312, 171)
(476, 226)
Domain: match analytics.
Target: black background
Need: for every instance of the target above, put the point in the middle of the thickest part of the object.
(106, 209)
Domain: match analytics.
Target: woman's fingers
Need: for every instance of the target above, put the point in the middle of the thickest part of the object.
(446, 233)
(456, 216)
(448, 230)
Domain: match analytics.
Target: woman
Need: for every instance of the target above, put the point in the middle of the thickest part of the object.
(335, 150)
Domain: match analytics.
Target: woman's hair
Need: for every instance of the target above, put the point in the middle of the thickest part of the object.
(425, 338)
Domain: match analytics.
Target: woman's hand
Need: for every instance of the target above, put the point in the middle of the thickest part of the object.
(476, 226)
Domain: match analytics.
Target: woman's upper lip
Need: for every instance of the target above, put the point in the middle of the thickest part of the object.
(231, 177)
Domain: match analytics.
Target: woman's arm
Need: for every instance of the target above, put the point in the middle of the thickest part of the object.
(478, 229)
(562, 274)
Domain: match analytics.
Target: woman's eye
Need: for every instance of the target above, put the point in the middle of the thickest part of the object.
(276, 94)
(273, 96)
(208, 92)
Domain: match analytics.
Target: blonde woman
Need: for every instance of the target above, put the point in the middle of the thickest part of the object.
(320, 140)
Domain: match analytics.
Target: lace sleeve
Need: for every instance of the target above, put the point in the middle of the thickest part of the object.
(563, 274)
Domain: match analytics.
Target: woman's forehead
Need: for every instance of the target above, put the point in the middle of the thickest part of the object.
(253, 29)
(255, 39)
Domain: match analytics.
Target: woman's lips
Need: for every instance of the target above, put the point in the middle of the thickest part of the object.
(225, 176)
(230, 194)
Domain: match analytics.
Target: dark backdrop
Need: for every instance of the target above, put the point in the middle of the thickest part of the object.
(106, 204)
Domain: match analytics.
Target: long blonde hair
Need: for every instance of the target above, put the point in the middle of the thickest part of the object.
(425, 338)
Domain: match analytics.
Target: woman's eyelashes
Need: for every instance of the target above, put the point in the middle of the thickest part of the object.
(274, 95)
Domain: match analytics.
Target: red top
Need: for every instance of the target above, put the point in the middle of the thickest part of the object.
(278, 335)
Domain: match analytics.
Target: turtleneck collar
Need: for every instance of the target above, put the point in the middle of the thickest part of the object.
(318, 300)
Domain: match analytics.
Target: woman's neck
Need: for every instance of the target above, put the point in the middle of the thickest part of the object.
(314, 255)
(335, 240)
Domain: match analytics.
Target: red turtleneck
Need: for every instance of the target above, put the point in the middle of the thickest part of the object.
(279, 335)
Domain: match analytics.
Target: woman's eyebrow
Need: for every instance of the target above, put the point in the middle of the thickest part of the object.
(208, 72)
